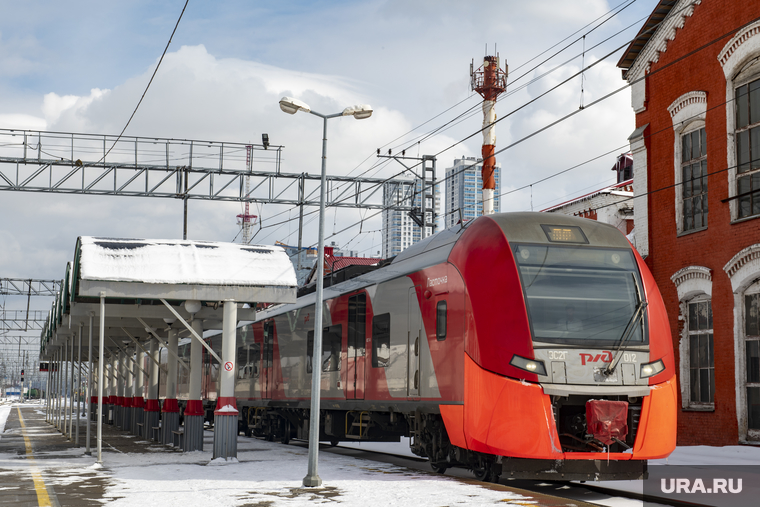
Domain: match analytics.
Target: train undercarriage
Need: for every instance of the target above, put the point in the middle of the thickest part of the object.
(428, 439)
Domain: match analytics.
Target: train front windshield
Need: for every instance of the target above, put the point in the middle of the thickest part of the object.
(580, 295)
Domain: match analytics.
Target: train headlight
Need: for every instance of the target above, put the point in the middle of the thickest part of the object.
(651, 369)
(529, 365)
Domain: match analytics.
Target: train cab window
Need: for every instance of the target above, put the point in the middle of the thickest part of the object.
(331, 338)
(381, 341)
(581, 294)
(440, 320)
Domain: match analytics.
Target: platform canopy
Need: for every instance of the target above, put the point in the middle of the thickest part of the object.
(140, 277)
(178, 269)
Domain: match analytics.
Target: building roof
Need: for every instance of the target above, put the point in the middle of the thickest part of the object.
(624, 188)
(336, 263)
(333, 264)
(648, 29)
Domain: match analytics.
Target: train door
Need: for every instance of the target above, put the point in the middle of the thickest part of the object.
(413, 347)
(267, 366)
(357, 330)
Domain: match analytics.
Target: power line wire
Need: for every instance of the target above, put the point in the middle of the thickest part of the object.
(651, 29)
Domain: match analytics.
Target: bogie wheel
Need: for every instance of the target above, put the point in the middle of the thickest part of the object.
(438, 468)
(285, 438)
(483, 473)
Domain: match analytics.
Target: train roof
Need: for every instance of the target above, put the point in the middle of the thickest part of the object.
(521, 227)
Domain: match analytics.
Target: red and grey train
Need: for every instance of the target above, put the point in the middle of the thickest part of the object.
(532, 345)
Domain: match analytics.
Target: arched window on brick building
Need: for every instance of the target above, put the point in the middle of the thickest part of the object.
(697, 361)
(743, 271)
(688, 113)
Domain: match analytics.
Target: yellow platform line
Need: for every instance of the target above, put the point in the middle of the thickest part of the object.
(43, 500)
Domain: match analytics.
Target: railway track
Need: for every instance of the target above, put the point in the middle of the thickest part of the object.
(567, 493)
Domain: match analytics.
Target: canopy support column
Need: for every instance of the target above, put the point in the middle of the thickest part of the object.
(70, 411)
(64, 386)
(226, 413)
(100, 374)
(87, 451)
(151, 413)
(138, 402)
(194, 412)
(170, 410)
(79, 384)
(121, 374)
(126, 407)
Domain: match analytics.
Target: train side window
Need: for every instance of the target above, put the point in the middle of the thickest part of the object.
(440, 321)
(248, 360)
(267, 360)
(381, 341)
(331, 338)
(357, 318)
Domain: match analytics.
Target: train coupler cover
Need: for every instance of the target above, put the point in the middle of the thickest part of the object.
(607, 420)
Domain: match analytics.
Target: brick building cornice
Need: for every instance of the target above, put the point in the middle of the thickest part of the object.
(640, 58)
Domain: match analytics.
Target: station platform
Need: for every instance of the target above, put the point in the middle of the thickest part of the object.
(40, 467)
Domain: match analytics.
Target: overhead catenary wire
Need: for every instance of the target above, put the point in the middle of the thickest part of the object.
(473, 109)
(155, 71)
(470, 110)
(651, 29)
(683, 57)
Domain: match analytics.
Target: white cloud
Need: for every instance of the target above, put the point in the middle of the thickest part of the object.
(72, 107)
(222, 80)
(22, 122)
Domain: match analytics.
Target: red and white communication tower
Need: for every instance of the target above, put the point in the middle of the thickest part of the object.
(489, 81)
(245, 219)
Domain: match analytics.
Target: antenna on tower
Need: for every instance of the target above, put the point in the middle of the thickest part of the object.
(490, 81)
(245, 219)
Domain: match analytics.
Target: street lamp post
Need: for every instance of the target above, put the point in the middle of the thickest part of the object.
(292, 106)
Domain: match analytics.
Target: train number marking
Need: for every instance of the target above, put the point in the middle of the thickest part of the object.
(629, 357)
(432, 282)
(228, 366)
(557, 355)
(605, 357)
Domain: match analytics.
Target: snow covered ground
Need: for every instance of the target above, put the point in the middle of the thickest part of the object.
(271, 474)
(265, 473)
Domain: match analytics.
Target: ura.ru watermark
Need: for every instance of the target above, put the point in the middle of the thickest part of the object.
(707, 486)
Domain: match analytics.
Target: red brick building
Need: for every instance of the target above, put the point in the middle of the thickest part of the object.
(694, 72)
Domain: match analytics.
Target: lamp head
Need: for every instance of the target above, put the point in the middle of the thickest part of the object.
(360, 112)
(292, 106)
(193, 306)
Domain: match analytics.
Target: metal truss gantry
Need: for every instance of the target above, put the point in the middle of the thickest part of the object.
(13, 342)
(71, 163)
(29, 287)
(21, 320)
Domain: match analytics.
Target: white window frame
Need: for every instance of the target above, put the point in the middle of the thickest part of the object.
(686, 361)
(740, 60)
(688, 112)
(744, 272)
(693, 284)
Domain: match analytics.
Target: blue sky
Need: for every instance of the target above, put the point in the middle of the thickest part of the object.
(81, 66)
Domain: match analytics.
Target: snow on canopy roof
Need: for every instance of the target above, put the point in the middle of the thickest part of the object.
(184, 262)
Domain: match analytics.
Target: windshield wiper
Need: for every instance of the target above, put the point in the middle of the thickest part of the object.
(638, 314)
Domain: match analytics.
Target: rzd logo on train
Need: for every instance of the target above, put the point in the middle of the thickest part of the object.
(605, 357)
